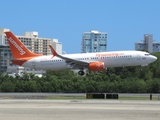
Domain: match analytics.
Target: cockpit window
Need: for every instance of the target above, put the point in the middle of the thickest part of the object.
(146, 54)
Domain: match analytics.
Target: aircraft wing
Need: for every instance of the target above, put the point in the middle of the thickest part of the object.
(73, 63)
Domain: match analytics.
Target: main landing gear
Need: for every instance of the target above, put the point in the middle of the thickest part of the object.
(81, 72)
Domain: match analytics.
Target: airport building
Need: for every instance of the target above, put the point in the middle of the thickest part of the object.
(94, 41)
(32, 42)
(148, 44)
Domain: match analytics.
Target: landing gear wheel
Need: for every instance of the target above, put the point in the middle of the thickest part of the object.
(81, 73)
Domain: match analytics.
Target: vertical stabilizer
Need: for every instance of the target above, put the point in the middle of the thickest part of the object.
(18, 49)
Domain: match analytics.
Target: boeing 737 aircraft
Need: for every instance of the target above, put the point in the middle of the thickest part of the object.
(99, 61)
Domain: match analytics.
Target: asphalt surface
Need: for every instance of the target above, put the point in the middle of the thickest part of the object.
(29, 109)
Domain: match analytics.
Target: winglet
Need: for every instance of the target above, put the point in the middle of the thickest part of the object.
(54, 53)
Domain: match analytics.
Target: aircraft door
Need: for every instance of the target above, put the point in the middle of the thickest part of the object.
(33, 64)
(138, 57)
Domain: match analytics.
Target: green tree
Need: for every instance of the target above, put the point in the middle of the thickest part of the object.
(7, 86)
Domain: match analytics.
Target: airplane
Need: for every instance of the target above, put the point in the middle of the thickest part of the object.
(98, 61)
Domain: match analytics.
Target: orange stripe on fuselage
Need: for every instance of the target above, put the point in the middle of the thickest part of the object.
(20, 63)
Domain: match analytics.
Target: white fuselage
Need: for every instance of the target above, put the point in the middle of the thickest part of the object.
(110, 59)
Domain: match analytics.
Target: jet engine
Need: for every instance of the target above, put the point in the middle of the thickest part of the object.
(96, 66)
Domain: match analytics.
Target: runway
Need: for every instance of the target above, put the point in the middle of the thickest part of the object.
(26, 109)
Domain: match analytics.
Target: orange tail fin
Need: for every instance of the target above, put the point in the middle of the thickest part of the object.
(18, 49)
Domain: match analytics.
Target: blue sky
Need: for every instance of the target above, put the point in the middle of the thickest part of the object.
(125, 21)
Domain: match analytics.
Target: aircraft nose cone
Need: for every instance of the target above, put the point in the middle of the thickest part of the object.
(154, 58)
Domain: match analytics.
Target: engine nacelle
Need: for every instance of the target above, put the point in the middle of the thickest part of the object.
(96, 66)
